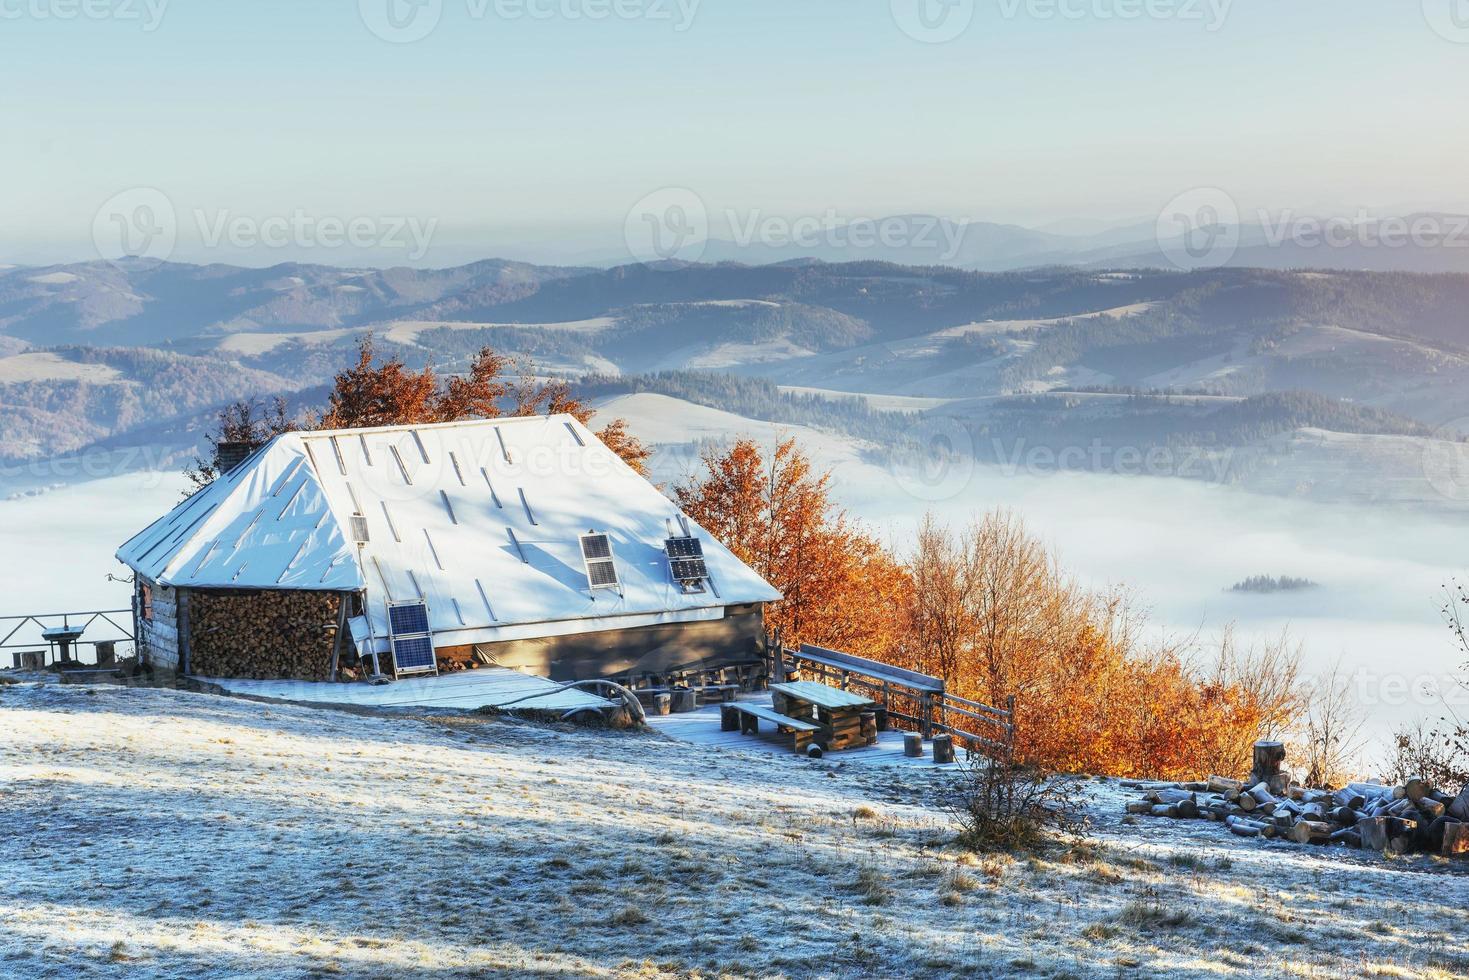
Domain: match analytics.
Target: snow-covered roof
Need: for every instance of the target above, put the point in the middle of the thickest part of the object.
(482, 519)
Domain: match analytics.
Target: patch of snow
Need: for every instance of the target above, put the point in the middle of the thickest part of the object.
(55, 278)
(407, 331)
(46, 366)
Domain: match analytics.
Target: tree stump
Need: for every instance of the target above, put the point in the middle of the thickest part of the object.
(943, 749)
(1374, 833)
(913, 745)
(1269, 757)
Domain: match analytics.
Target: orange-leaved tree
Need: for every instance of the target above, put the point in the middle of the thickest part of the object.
(841, 588)
(384, 391)
(992, 613)
(378, 390)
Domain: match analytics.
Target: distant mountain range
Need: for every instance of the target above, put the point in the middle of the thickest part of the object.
(98, 357)
(1425, 242)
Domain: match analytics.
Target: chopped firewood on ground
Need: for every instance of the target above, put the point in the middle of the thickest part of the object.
(1412, 817)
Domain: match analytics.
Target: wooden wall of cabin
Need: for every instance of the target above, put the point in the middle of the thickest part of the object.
(285, 635)
(738, 638)
(158, 625)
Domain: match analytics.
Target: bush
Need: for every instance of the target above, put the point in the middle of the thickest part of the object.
(1013, 808)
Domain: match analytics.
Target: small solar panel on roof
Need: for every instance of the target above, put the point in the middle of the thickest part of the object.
(602, 574)
(595, 546)
(689, 569)
(685, 548)
(413, 654)
(408, 620)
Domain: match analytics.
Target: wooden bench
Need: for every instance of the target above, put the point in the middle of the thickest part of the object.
(717, 693)
(746, 718)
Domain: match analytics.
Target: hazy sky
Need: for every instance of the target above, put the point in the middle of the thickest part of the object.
(538, 120)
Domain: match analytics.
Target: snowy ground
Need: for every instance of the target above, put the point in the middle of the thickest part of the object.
(161, 833)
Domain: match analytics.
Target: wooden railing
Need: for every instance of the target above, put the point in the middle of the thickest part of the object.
(917, 700)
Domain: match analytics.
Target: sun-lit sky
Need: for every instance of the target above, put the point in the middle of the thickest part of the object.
(536, 123)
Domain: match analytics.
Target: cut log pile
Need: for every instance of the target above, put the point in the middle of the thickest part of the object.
(1413, 817)
(262, 635)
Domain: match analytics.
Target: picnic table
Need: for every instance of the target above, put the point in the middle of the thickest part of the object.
(747, 718)
(846, 720)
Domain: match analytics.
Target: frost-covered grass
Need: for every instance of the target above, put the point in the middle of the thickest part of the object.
(159, 833)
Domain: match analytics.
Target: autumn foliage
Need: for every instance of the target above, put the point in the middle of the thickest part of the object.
(842, 588)
(989, 610)
(377, 391)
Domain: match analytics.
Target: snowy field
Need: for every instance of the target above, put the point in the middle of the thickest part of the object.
(165, 834)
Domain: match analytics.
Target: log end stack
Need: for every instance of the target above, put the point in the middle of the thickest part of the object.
(1414, 817)
(263, 635)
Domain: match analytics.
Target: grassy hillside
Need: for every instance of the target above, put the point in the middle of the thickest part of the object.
(174, 834)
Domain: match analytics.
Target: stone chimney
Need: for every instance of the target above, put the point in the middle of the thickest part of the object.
(232, 454)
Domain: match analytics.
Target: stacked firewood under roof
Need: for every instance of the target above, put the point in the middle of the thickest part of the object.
(1412, 817)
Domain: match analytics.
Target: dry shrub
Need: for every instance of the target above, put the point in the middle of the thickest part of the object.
(1439, 751)
(1002, 807)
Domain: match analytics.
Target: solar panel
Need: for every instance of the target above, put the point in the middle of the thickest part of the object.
(689, 569)
(686, 559)
(596, 552)
(409, 619)
(413, 654)
(413, 646)
(602, 574)
(359, 529)
(685, 548)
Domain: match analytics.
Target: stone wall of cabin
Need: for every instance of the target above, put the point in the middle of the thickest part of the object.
(286, 635)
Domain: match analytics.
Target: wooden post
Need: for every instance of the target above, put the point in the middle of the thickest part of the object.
(925, 708)
(1010, 732)
(341, 629)
(913, 745)
(943, 749)
(1374, 833)
(181, 622)
(1269, 757)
